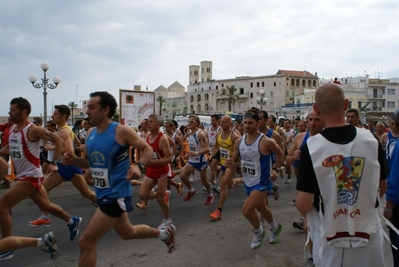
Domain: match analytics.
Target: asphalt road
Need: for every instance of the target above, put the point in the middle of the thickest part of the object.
(200, 241)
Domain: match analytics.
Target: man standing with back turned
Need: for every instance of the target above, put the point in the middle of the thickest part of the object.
(346, 165)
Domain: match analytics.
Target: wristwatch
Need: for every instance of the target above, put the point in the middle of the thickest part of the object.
(142, 167)
(196, 153)
(54, 162)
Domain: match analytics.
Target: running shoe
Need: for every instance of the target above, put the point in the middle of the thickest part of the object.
(179, 189)
(216, 215)
(6, 255)
(288, 181)
(142, 205)
(276, 191)
(170, 241)
(40, 222)
(258, 238)
(275, 234)
(50, 245)
(216, 190)
(204, 189)
(167, 195)
(209, 199)
(165, 223)
(298, 224)
(192, 178)
(74, 227)
(190, 195)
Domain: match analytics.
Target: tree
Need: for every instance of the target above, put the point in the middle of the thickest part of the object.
(231, 97)
(161, 100)
(72, 105)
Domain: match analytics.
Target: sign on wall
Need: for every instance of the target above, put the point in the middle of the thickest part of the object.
(135, 106)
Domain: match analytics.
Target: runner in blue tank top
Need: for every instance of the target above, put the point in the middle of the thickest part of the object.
(106, 154)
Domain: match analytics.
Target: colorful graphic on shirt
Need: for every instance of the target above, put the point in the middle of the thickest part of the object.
(349, 173)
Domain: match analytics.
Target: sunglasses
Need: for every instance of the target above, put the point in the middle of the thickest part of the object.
(251, 116)
(191, 121)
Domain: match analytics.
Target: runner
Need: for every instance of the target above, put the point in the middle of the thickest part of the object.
(198, 148)
(158, 169)
(23, 146)
(106, 153)
(257, 172)
(225, 146)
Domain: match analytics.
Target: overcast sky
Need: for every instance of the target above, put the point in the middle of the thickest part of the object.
(112, 45)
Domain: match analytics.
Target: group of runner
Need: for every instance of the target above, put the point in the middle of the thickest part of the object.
(254, 152)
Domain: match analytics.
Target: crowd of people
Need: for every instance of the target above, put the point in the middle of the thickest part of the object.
(342, 172)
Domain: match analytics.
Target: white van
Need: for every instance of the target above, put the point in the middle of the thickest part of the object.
(183, 120)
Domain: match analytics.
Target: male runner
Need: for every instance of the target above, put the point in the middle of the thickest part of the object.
(24, 147)
(107, 155)
(158, 169)
(225, 146)
(255, 151)
(198, 148)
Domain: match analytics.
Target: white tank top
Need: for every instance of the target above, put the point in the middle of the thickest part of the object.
(25, 153)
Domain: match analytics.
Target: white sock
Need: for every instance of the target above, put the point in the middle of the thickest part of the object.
(46, 217)
(70, 221)
(273, 225)
(39, 242)
(192, 190)
(259, 230)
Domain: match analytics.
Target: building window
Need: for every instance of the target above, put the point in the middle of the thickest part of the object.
(252, 85)
(274, 84)
(391, 91)
(390, 104)
(297, 82)
(241, 91)
(257, 84)
(350, 104)
(251, 95)
(271, 93)
(263, 84)
(359, 104)
(287, 93)
(222, 85)
(303, 83)
(292, 82)
(216, 87)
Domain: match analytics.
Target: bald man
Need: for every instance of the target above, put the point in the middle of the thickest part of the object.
(345, 166)
(225, 140)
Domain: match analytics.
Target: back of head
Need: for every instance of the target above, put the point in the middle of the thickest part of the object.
(330, 99)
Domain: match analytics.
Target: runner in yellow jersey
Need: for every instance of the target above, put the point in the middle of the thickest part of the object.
(225, 144)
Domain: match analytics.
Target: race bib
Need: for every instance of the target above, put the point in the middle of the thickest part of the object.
(224, 153)
(250, 168)
(100, 177)
(16, 151)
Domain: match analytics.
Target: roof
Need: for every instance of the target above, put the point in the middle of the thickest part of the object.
(296, 73)
(161, 88)
(175, 84)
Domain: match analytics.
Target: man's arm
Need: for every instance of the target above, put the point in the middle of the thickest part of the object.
(204, 143)
(215, 148)
(294, 152)
(164, 146)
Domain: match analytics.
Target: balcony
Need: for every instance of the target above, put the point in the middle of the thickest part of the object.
(375, 96)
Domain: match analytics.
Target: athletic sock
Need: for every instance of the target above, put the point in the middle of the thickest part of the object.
(39, 242)
(163, 235)
(70, 222)
(273, 225)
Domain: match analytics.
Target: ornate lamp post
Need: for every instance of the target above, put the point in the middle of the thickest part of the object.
(45, 85)
(261, 99)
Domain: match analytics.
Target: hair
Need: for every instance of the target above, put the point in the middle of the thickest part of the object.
(175, 123)
(38, 120)
(63, 110)
(304, 122)
(238, 121)
(216, 116)
(255, 114)
(22, 104)
(289, 121)
(169, 123)
(157, 117)
(106, 100)
(183, 129)
(77, 122)
(353, 110)
(273, 118)
(52, 123)
(196, 118)
(265, 114)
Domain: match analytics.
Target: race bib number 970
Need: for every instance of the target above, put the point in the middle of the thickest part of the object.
(100, 177)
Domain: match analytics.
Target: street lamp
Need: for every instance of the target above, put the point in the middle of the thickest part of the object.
(261, 99)
(45, 85)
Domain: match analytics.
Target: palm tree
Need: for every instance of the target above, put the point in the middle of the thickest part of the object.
(72, 105)
(232, 98)
(161, 100)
